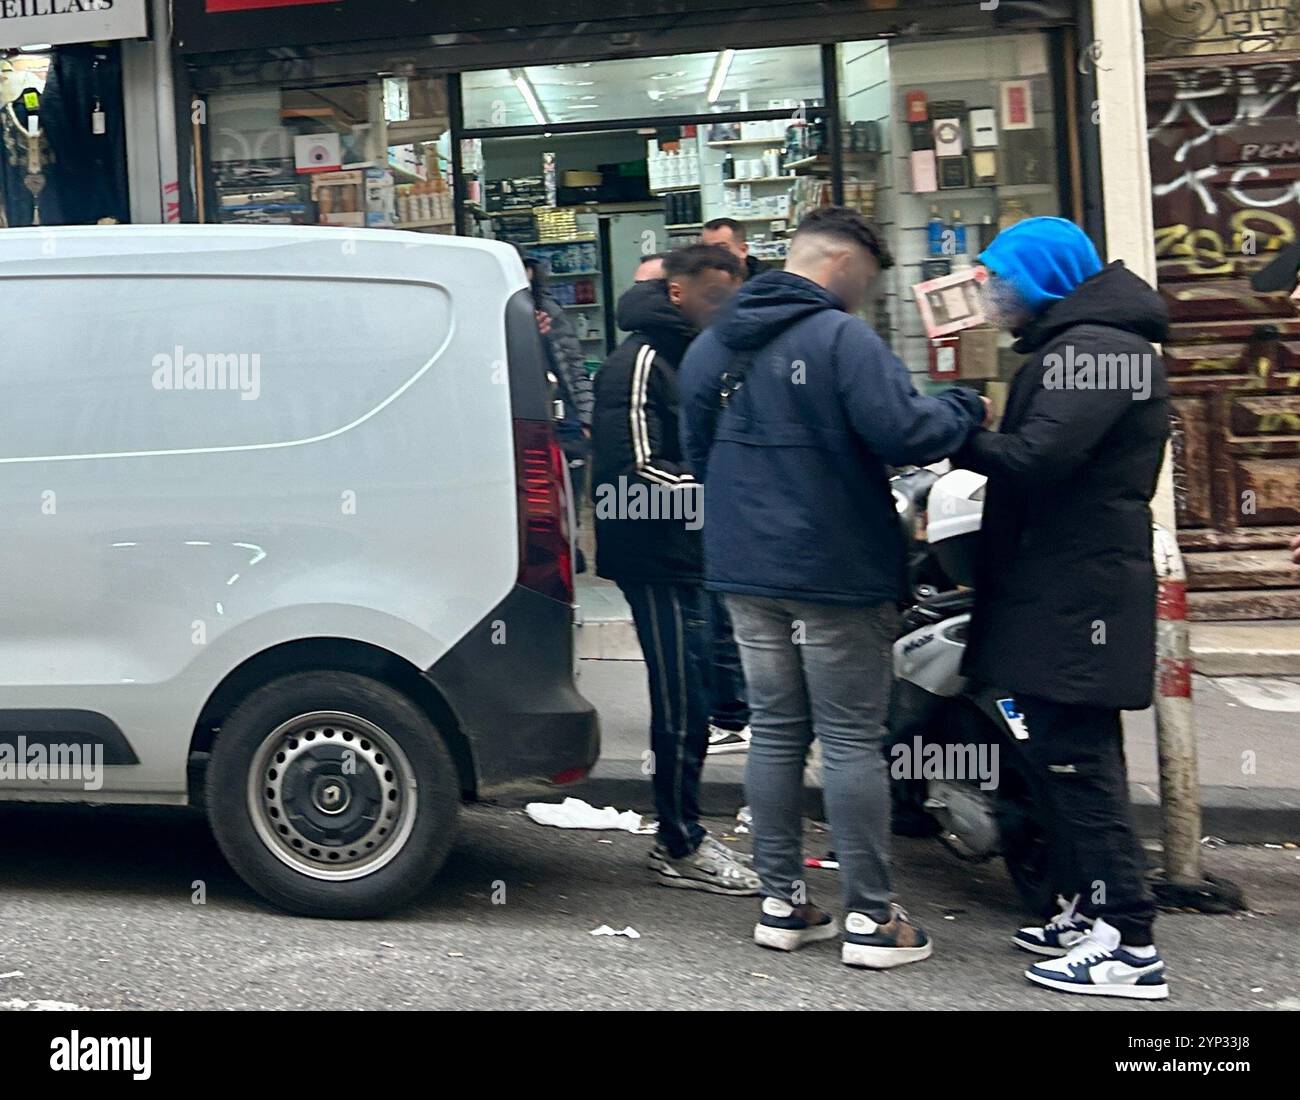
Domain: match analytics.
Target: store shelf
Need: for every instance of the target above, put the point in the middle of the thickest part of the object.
(807, 163)
(769, 142)
(685, 225)
(589, 239)
(760, 179)
(1014, 189)
(423, 223)
(677, 187)
(758, 217)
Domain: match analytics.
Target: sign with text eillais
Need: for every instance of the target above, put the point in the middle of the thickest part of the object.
(58, 22)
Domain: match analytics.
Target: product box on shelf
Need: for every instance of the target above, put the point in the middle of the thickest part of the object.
(340, 198)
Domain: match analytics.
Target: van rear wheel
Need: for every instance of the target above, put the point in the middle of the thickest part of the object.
(332, 795)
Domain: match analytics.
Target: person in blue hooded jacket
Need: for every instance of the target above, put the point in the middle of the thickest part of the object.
(801, 535)
(1065, 586)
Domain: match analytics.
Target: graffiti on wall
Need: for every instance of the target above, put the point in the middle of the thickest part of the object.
(1225, 162)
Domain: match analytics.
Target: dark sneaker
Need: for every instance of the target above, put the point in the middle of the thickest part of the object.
(786, 927)
(881, 946)
(1101, 966)
(723, 741)
(711, 868)
(1058, 935)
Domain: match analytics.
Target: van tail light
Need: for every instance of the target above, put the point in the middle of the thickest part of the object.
(545, 553)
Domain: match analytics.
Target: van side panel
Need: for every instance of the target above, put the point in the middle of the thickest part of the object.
(216, 440)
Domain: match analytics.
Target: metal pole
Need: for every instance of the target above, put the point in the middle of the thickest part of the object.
(165, 97)
(1175, 730)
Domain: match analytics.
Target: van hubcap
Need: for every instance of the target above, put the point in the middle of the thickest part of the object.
(332, 795)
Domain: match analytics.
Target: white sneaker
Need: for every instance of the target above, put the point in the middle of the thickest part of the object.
(1058, 935)
(1102, 966)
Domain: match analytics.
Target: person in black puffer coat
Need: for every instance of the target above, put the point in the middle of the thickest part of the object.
(1065, 600)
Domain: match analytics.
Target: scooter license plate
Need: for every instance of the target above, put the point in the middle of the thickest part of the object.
(1014, 719)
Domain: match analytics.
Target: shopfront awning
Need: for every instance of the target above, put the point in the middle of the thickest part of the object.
(500, 32)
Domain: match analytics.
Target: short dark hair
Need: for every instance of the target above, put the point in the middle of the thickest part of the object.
(695, 258)
(737, 228)
(846, 225)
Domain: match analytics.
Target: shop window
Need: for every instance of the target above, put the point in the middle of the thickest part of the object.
(371, 154)
(945, 143)
(62, 137)
(715, 82)
(589, 206)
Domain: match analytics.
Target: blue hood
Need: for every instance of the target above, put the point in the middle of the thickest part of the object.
(1045, 259)
(767, 305)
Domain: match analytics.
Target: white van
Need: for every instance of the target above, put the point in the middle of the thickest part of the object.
(286, 534)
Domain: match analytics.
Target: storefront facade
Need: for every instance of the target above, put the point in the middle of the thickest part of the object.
(591, 143)
(63, 149)
(1223, 106)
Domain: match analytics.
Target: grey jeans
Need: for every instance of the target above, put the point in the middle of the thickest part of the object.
(823, 671)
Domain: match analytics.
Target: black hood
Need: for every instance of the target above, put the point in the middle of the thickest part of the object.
(1114, 297)
(766, 306)
(645, 310)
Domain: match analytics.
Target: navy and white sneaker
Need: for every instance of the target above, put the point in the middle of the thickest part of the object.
(877, 946)
(723, 740)
(1102, 966)
(1058, 935)
(786, 927)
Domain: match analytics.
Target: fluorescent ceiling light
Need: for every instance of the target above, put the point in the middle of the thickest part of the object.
(721, 66)
(529, 93)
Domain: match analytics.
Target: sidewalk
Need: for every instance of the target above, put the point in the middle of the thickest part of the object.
(1234, 718)
(1269, 648)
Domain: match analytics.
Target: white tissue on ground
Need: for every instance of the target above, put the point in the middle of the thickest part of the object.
(574, 813)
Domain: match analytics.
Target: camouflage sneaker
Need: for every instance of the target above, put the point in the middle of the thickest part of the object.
(881, 946)
(658, 857)
(711, 868)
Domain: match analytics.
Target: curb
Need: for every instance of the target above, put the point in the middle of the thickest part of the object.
(1245, 662)
(616, 640)
(1234, 814)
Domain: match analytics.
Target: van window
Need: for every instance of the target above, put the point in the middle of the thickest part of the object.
(113, 365)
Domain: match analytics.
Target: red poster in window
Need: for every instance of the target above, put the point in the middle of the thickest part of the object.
(216, 6)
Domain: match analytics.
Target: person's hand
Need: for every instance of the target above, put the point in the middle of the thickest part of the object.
(1295, 549)
(543, 321)
(989, 415)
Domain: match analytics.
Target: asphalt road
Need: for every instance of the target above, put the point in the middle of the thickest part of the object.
(97, 911)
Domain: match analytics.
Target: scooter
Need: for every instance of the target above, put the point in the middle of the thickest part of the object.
(955, 749)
